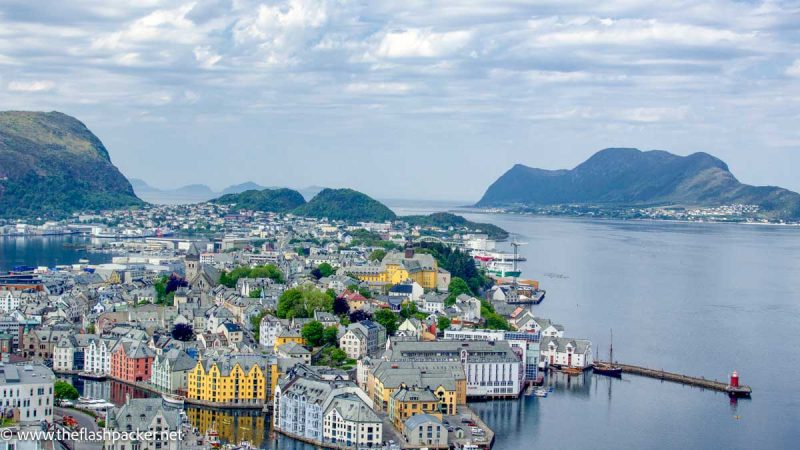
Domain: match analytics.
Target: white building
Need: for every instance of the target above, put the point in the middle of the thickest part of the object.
(269, 330)
(144, 415)
(27, 389)
(354, 343)
(8, 301)
(170, 370)
(566, 352)
(97, 358)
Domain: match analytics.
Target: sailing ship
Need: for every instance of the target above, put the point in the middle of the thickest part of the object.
(608, 368)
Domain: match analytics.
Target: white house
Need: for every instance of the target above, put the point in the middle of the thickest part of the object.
(8, 301)
(27, 388)
(170, 370)
(97, 358)
(566, 352)
(269, 330)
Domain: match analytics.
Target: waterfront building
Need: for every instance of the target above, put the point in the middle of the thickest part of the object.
(492, 368)
(27, 392)
(425, 430)
(237, 379)
(132, 360)
(567, 352)
(97, 356)
(39, 344)
(324, 411)
(144, 415)
(410, 401)
(445, 379)
(69, 353)
(171, 369)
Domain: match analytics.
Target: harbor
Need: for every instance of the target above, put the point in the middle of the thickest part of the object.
(732, 387)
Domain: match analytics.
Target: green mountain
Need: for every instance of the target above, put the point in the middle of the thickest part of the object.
(630, 177)
(447, 220)
(52, 165)
(268, 200)
(345, 204)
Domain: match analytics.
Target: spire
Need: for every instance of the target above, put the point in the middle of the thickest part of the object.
(193, 254)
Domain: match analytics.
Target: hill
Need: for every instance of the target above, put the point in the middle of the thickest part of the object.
(246, 186)
(52, 165)
(447, 220)
(630, 177)
(345, 204)
(267, 200)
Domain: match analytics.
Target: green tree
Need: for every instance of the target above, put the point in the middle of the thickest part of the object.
(90, 329)
(331, 335)
(313, 332)
(442, 323)
(255, 293)
(338, 356)
(326, 270)
(377, 255)
(302, 301)
(456, 287)
(65, 391)
(388, 319)
(409, 309)
(270, 271)
(255, 325)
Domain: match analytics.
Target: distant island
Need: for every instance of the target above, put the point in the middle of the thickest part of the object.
(630, 182)
(51, 165)
(198, 193)
(267, 200)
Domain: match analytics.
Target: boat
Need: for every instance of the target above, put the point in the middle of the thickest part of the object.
(175, 400)
(540, 392)
(572, 370)
(608, 369)
(503, 269)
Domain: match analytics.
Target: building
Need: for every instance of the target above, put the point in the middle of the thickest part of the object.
(9, 301)
(445, 379)
(269, 330)
(97, 356)
(410, 401)
(525, 344)
(69, 354)
(132, 360)
(492, 368)
(39, 344)
(397, 267)
(289, 335)
(362, 339)
(231, 379)
(27, 391)
(325, 412)
(566, 352)
(171, 369)
(294, 350)
(144, 415)
(425, 430)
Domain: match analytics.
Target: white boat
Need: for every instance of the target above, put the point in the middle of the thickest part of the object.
(540, 392)
(175, 400)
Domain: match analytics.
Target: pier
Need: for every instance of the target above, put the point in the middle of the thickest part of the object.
(733, 390)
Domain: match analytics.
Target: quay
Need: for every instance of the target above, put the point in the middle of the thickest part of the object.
(733, 388)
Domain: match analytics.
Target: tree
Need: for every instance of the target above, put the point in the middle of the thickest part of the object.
(302, 301)
(90, 329)
(270, 271)
(359, 315)
(182, 332)
(65, 391)
(443, 323)
(340, 306)
(313, 333)
(377, 255)
(456, 287)
(326, 270)
(338, 356)
(255, 325)
(409, 309)
(331, 335)
(388, 319)
(255, 293)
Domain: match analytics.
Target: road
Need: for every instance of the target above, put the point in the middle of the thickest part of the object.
(84, 421)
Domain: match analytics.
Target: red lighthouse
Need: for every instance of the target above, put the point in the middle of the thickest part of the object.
(734, 379)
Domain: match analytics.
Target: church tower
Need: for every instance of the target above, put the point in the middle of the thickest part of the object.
(192, 262)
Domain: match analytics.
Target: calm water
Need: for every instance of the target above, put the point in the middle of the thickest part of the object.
(45, 251)
(701, 299)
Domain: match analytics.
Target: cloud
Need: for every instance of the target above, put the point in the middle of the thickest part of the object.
(31, 86)
(378, 88)
(421, 43)
(794, 69)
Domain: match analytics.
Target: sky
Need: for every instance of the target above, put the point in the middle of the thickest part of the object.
(412, 98)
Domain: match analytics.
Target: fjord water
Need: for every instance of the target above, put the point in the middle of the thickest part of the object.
(45, 251)
(697, 299)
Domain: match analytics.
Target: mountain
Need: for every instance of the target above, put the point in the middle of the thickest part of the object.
(246, 186)
(630, 177)
(447, 220)
(345, 204)
(268, 200)
(52, 165)
(192, 193)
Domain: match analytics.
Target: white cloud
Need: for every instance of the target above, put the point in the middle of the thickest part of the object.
(424, 43)
(794, 69)
(31, 86)
(206, 57)
(378, 88)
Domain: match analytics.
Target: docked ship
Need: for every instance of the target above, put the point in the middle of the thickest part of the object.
(502, 269)
(608, 368)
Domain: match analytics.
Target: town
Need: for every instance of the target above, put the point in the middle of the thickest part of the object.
(342, 335)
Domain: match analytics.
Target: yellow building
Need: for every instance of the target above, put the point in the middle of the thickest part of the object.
(234, 379)
(397, 267)
(446, 380)
(288, 336)
(406, 402)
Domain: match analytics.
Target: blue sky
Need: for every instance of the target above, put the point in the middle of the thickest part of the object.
(409, 99)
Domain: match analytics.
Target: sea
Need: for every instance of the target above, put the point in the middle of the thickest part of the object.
(701, 299)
